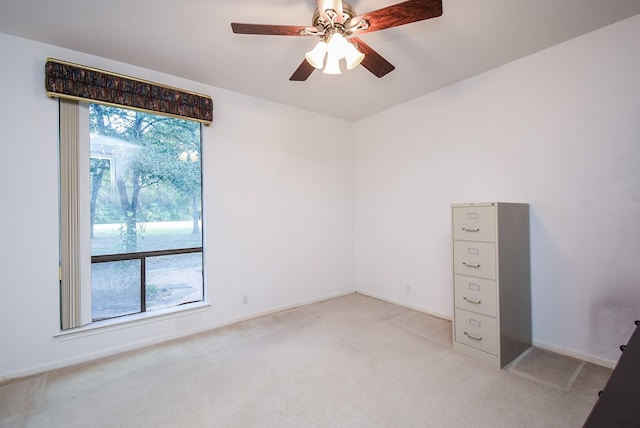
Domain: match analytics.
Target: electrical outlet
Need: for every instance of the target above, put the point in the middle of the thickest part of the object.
(245, 299)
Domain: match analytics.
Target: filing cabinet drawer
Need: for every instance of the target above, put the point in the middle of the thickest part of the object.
(474, 259)
(476, 330)
(474, 223)
(476, 294)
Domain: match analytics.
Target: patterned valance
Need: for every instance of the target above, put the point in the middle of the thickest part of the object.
(68, 80)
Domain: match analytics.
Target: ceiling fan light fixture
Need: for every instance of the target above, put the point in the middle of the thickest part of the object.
(315, 56)
(337, 45)
(352, 56)
(334, 21)
(333, 64)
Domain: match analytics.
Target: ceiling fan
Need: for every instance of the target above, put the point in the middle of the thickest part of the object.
(336, 23)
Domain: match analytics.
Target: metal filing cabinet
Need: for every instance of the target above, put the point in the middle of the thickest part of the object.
(492, 291)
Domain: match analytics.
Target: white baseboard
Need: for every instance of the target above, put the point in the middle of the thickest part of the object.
(161, 339)
(574, 354)
(535, 342)
(103, 353)
(271, 311)
(406, 305)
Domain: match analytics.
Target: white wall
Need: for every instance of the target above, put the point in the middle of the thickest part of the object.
(278, 213)
(560, 130)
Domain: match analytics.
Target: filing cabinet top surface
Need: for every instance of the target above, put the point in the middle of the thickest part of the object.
(487, 204)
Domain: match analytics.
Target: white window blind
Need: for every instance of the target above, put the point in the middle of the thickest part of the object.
(75, 252)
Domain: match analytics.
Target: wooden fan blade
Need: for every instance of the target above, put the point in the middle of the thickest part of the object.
(302, 72)
(270, 30)
(373, 61)
(399, 14)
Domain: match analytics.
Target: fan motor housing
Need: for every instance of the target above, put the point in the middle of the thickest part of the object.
(348, 12)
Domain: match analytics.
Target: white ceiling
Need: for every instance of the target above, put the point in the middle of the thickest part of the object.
(193, 39)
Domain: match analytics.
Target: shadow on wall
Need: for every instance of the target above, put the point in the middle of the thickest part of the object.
(584, 286)
(616, 302)
(612, 319)
(547, 272)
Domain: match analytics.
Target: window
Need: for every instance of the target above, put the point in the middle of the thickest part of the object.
(144, 210)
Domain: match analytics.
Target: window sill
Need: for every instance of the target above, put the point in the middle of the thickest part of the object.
(130, 321)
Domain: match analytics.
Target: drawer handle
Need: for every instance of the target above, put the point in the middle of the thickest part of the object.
(472, 300)
(471, 229)
(473, 336)
(471, 265)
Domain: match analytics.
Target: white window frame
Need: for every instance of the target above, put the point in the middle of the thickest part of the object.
(75, 237)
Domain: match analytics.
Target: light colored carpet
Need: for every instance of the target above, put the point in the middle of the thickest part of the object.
(548, 368)
(353, 361)
(425, 326)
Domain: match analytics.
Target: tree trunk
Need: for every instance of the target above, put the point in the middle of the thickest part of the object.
(130, 210)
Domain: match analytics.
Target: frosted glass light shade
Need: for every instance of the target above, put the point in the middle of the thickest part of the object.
(338, 45)
(315, 56)
(333, 64)
(353, 56)
(336, 48)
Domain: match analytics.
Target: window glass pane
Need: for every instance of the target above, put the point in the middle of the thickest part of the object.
(145, 181)
(115, 289)
(173, 280)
